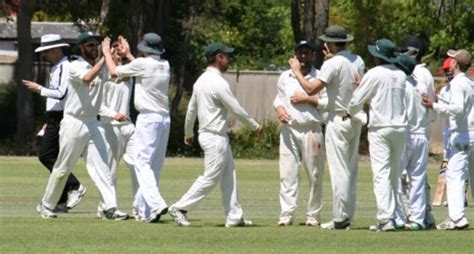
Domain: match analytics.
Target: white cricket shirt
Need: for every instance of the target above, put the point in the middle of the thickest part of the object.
(152, 79)
(210, 102)
(417, 114)
(460, 105)
(83, 100)
(384, 85)
(300, 114)
(338, 73)
(116, 99)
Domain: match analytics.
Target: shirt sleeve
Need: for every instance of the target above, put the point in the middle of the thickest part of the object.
(363, 93)
(77, 71)
(327, 72)
(455, 105)
(229, 101)
(133, 69)
(61, 91)
(280, 96)
(190, 117)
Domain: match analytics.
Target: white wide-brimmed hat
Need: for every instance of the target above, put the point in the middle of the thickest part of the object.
(49, 41)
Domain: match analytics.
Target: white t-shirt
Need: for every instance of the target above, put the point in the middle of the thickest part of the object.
(210, 102)
(459, 108)
(300, 114)
(339, 73)
(83, 100)
(417, 114)
(116, 99)
(57, 87)
(152, 79)
(384, 86)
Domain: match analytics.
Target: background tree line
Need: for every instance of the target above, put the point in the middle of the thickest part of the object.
(263, 32)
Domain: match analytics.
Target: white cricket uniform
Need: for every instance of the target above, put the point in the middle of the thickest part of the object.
(81, 133)
(301, 140)
(457, 110)
(342, 137)
(415, 156)
(384, 86)
(444, 97)
(471, 139)
(210, 103)
(58, 83)
(119, 136)
(152, 78)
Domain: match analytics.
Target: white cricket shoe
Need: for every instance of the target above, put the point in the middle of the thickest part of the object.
(241, 223)
(332, 225)
(135, 213)
(156, 215)
(179, 216)
(45, 212)
(449, 224)
(112, 214)
(285, 221)
(311, 222)
(383, 227)
(75, 196)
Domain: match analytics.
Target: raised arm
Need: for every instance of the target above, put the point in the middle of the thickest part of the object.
(310, 87)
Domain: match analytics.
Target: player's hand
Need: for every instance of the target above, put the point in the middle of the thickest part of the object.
(32, 86)
(119, 117)
(283, 116)
(188, 141)
(294, 64)
(259, 129)
(123, 46)
(426, 101)
(327, 53)
(106, 46)
(299, 98)
(357, 79)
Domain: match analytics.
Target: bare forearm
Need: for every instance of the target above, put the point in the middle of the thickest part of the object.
(110, 65)
(94, 71)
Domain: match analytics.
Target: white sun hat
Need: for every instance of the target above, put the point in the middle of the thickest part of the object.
(49, 41)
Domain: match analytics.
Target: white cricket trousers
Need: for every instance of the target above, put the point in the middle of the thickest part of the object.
(151, 140)
(81, 136)
(218, 167)
(301, 144)
(457, 173)
(120, 141)
(414, 160)
(342, 151)
(471, 163)
(386, 145)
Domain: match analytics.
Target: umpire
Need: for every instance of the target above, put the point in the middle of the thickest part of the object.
(52, 50)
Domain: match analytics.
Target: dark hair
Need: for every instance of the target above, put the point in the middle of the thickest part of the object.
(340, 44)
(463, 67)
(211, 59)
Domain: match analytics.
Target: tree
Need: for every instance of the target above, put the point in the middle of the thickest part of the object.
(315, 21)
(24, 70)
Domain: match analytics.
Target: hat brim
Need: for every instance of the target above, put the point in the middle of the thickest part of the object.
(43, 48)
(304, 46)
(147, 49)
(373, 51)
(98, 37)
(332, 39)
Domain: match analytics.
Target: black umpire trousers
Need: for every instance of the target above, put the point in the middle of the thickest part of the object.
(49, 150)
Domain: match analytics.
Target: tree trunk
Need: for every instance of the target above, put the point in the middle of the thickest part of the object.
(104, 13)
(24, 70)
(321, 9)
(296, 20)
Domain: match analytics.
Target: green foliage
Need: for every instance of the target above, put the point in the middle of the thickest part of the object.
(247, 143)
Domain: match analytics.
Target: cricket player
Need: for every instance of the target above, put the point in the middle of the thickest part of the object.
(384, 86)
(115, 118)
(52, 50)
(301, 140)
(458, 110)
(415, 154)
(338, 74)
(152, 78)
(210, 102)
(80, 131)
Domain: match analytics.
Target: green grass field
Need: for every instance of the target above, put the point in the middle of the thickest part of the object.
(22, 183)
